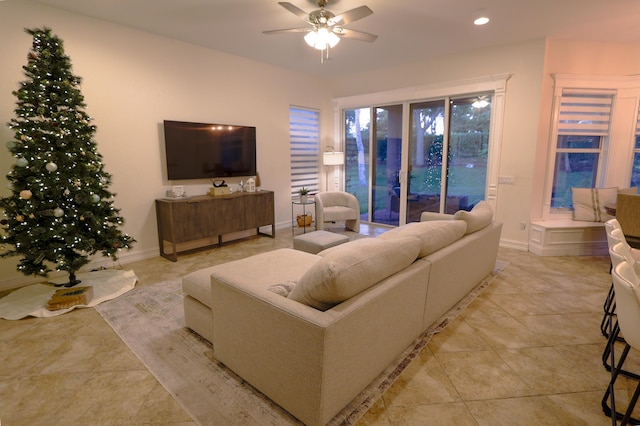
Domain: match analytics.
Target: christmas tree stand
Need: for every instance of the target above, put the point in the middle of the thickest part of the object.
(72, 281)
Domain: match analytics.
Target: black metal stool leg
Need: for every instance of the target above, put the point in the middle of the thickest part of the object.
(632, 404)
(610, 411)
(609, 310)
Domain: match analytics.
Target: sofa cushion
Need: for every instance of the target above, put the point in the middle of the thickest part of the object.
(351, 268)
(480, 216)
(338, 213)
(588, 203)
(433, 235)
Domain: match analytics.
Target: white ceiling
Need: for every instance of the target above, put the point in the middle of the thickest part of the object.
(408, 30)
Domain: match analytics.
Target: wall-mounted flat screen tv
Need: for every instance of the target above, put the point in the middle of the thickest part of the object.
(202, 150)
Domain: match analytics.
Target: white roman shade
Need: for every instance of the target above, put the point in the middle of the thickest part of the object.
(585, 112)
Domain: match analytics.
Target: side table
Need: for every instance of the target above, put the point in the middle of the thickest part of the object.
(304, 213)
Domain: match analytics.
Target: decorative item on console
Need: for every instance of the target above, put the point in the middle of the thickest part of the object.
(219, 188)
(177, 191)
(250, 186)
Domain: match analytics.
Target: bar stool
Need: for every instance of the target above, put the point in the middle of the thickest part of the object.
(609, 305)
(627, 288)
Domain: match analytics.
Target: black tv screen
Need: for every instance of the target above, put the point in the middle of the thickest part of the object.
(202, 150)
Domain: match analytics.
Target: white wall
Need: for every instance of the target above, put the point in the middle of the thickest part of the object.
(132, 81)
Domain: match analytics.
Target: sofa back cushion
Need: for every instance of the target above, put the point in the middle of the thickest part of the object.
(433, 235)
(480, 216)
(351, 268)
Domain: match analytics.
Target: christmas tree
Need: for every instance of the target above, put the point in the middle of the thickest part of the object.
(60, 210)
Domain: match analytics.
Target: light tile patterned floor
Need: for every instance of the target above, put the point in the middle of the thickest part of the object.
(526, 351)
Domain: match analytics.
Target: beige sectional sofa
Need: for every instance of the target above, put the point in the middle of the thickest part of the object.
(312, 331)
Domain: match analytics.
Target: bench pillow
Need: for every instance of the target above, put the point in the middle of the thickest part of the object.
(433, 235)
(479, 217)
(351, 268)
(589, 203)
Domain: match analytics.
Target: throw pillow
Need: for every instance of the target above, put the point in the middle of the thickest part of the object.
(589, 203)
(432, 234)
(480, 216)
(351, 268)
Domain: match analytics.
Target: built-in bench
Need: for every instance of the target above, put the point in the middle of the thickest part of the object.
(566, 237)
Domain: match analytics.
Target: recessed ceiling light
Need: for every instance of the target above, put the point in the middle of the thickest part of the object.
(481, 20)
(481, 17)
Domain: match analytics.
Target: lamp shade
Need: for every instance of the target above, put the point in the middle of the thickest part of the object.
(333, 158)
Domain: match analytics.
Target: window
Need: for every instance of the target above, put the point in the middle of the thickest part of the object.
(582, 138)
(304, 141)
(431, 148)
(594, 138)
(448, 138)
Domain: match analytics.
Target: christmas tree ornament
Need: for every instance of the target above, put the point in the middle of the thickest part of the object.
(53, 133)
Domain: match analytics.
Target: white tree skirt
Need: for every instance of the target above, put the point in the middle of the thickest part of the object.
(32, 300)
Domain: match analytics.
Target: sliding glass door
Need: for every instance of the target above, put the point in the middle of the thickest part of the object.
(449, 146)
(373, 163)
(357, 147)
(446, 157)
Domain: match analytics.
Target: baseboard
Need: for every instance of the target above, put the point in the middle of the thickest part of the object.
(515, 245)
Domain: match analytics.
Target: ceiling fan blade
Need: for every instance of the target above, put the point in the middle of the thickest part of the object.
(352, 15)
(294, 9)
(288, 30)
(356, 35)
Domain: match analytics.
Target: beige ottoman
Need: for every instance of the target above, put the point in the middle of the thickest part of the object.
(316, 241)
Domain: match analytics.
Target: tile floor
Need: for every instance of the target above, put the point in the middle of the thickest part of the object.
(526, 351)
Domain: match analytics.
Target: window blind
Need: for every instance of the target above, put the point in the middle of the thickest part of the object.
(304, 137)
(584, 113)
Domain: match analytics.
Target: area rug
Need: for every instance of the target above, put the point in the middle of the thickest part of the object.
(150, 320)
(32, 300)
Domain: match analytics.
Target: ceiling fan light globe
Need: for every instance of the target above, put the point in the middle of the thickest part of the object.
(333, 39)
(311, 38)
(320, 45)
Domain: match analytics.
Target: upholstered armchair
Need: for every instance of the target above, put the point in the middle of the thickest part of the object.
(336, 207)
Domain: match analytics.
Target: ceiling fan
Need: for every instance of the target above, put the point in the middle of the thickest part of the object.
(326, 29)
